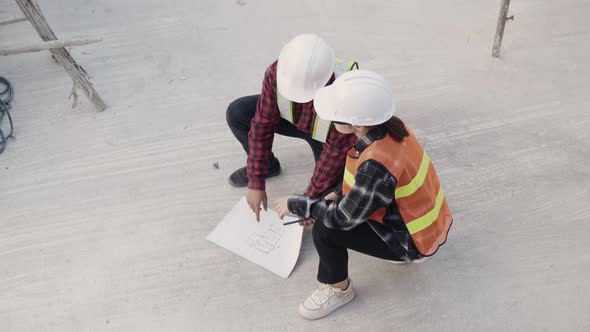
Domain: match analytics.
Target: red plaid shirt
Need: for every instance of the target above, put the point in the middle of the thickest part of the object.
(329, 167)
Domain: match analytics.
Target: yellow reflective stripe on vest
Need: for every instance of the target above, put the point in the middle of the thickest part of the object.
(321, 128)
(426, 220)
(285, 107)
(417, 181)
(348, 178)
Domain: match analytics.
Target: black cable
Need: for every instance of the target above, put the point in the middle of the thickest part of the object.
(6, 94)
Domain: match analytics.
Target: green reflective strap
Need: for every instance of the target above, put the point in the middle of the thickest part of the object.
(417, 181)
(321, 129)
(348, 178)
(315, 126)
(282, 102)
(426, 220)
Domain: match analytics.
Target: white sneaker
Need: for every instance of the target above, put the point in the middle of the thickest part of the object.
(326, 299)
(415, 261)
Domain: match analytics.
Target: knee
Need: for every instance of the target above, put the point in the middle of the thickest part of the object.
(240, 112)
(319, 233)
(232, 113)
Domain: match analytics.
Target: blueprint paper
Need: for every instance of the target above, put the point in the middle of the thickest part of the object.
(267, 243)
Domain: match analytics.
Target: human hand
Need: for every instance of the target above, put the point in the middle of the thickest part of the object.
(281, 206)
(307, 222)
(331, 196)
(255, 198)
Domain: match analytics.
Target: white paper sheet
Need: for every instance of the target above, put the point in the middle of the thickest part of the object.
(268, 243)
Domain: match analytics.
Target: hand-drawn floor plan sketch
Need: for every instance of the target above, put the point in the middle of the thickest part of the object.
(267, 243)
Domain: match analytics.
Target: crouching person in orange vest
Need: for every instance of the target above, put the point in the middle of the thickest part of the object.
(391, 205)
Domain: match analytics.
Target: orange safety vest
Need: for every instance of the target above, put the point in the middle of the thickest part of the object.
(418, 195)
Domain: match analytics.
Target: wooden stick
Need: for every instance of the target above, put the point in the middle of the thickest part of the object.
(502, 18)
(16, 20)
(40, 46)
(79, 76)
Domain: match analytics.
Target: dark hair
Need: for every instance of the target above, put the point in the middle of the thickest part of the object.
(396, 128)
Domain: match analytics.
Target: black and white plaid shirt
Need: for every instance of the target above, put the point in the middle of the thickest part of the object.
(374, 188)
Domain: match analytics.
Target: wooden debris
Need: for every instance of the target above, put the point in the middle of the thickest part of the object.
(80, 77)
(40, 46)
(502, 18)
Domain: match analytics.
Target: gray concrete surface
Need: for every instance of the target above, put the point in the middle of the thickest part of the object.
(103, 217)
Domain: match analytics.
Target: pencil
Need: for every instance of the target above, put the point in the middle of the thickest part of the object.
(292, 222)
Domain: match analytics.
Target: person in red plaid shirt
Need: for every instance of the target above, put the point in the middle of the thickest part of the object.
(285, 107)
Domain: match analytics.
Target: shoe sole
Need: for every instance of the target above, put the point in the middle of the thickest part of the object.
(313, 315)
(416, 261)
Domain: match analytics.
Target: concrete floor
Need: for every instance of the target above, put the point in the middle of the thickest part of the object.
(103, 217)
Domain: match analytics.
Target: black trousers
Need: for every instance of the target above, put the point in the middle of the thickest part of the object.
(239, 114)
(332, 246)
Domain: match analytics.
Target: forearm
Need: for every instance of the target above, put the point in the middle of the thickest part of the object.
(330, 213)
(373, 190)
(328, 171)
(260, 140)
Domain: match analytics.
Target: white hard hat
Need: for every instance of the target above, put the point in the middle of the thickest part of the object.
(305, 65)
(358, 97)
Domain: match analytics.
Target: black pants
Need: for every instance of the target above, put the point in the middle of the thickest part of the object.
(239, 114)
(332, 246)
